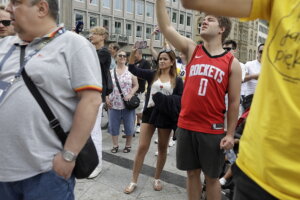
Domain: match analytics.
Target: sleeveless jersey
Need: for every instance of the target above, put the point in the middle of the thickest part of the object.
(206, 82)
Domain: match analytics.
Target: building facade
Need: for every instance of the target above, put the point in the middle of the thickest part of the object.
(248, 35)
(3, 2)
(127, 21)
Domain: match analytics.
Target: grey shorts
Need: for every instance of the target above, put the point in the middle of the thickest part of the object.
(195, 150)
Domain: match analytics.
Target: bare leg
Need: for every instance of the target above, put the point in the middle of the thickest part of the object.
(128, 141)
(194, 186)
(213, 188)
(147, 131)
(115, 140)
(163, 142)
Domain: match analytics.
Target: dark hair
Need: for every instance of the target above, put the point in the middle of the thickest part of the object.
(232, 43)
(262, 44)
(115, 46)
(53, 7)
(79, 26)
(224, 22)
(173, 70)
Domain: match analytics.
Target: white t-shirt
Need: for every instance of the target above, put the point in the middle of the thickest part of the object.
(253, 67)
(158, 86)
(244, 85)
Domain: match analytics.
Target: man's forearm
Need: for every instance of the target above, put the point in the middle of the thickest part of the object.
(83, 121)
(232, 117)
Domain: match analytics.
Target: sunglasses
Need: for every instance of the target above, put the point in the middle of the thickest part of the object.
(5, 22)
(227, 48)
(122, 55)
(166, 51)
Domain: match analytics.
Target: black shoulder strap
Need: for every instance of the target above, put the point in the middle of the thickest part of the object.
(53, 121)
(118, 85)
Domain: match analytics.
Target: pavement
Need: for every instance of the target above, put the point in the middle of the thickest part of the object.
(116, 175)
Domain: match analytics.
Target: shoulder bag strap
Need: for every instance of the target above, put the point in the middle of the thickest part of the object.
(53, 121)
(118, 85)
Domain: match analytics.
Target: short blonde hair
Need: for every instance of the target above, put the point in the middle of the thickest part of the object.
(100, 30)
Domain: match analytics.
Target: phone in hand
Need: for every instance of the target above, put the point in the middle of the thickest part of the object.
(140, 45)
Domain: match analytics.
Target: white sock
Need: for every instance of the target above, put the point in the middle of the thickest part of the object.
(222, 181)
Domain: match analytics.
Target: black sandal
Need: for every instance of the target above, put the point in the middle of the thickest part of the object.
(127, 149)
(115, 149)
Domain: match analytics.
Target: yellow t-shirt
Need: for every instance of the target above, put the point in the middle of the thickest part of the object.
(270, 146)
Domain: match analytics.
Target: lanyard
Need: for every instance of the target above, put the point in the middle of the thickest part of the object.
(59, 32)
(7, 55)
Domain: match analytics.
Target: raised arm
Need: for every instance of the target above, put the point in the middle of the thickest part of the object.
(146, 74)
(154, 53)
(233, 8)
(181, 43)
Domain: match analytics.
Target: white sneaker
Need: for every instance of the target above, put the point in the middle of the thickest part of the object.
(156, 141)
(95, 173)
(138, 129)
(171, 143)
(168, 152)
(222, 181)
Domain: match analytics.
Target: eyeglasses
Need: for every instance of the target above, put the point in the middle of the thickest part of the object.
(5, 22)
(122, 55)
(261, 51)
(227, 48)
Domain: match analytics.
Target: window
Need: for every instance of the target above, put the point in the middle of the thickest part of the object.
(80, 0)
(188, 20)
(94, 2)
(139, 7)
(148, 32)
(250, 54)
(139, 31)
(78, 17)
(149, 9)
(181, 19)
(106, 24)
(118, 5)
(118, 27)
(157, 36)
(188, 35)
(174, 17)
(129, 29)
(174, 1)
(93, 21)
(106, 3)
(199, 27)
(129, 6)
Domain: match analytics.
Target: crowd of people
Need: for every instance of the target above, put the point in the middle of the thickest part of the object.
(193, 93)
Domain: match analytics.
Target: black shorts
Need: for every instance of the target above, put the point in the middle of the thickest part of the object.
(195, 150)
(146, 115)
(246, 189)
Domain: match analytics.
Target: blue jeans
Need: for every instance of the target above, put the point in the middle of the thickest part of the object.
(45, 186)
(115, 117)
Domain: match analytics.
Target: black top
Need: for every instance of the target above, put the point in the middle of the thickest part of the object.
(142, 64)
(105, 60)
(167, 107)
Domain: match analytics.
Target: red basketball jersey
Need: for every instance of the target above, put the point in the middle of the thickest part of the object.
(203, 99)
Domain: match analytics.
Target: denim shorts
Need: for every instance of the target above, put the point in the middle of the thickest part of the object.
(45, 186)
(115, 118)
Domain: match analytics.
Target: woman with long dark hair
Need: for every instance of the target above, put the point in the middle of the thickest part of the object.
(161, 111)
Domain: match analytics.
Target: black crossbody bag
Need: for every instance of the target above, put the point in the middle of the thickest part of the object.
(134, 102)
(87, 159)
